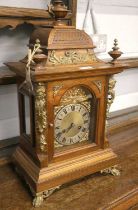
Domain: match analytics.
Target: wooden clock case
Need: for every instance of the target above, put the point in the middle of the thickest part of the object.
(65, 60)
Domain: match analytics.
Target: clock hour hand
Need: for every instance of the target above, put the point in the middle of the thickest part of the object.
(68, 129)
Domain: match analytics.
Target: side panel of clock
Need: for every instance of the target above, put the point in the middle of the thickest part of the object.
(27, 121)
(76, 117)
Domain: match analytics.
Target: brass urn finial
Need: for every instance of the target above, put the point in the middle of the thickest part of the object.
(115, 53)
(58, 10)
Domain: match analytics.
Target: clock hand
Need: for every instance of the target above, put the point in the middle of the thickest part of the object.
(65, 130)
(68, 129)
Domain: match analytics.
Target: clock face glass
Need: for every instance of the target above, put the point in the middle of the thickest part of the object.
(74, 118)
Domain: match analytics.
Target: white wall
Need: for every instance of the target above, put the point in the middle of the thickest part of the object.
(13, 47)
(117, 21)
(9, 125)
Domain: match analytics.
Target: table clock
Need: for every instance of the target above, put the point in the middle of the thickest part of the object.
(64, 94)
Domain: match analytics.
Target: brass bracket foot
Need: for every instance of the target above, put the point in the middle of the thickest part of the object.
(112, 170)
(39, 198)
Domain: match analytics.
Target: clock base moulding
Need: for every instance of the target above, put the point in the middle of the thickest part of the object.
(43, 182)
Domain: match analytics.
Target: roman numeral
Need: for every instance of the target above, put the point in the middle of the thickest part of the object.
(86, 121)
(71, 140)
(84, 114)
(64, 140)
(57, 127)
(59, 135)
(84, 129)
(73, 108)
(65, 111)
(80, 109)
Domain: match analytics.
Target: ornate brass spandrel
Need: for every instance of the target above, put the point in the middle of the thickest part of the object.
(72, 57)
(98, 84)
(74, 95)
(85, 138)
(56, 89)
(41, 116)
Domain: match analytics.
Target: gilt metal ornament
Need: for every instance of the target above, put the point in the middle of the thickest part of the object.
(112, 170)
(111, 93)
(74, 95)
(98, 83)
(56, 89)
(38, 200)
(41, 116)
(72, 57)
(110, 97)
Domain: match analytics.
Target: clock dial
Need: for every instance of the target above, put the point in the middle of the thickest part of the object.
(71, 124)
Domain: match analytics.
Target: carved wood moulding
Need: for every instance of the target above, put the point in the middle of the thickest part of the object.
(14, 16)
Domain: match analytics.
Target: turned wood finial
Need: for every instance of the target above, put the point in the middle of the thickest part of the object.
(59, 11)
(115, 53)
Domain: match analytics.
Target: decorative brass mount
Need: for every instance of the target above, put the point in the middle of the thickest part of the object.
(114, 170)
(39, 198)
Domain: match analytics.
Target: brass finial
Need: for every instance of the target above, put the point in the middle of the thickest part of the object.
(58, 10)
(115, 53)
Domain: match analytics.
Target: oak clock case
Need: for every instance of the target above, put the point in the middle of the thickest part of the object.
(64, 103)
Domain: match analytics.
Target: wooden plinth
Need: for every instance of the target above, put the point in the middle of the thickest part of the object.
(55, 174)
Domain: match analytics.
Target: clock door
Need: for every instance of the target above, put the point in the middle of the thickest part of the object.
(75, 118)
(75, 111)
